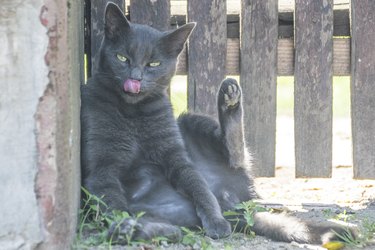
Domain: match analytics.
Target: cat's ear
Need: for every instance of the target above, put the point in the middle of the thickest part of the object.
(173, 42)
(114, 21)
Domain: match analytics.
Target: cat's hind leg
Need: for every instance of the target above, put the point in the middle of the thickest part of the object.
(230, 111)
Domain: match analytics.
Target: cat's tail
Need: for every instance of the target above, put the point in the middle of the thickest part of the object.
(282, 227)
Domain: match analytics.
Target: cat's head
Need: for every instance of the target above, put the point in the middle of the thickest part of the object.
(142, 60)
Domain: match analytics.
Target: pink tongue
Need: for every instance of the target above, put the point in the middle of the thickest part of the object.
(132, 86)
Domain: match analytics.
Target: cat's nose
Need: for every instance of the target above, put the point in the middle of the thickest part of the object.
(136, 74)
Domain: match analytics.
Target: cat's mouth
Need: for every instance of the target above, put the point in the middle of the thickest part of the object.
(132, 86)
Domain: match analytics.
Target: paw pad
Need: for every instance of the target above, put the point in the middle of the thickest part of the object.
(230, 92)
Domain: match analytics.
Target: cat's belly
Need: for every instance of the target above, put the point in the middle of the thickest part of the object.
(229, 185)
(150, 192)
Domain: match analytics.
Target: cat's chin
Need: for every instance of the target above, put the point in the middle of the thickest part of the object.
(133, 98)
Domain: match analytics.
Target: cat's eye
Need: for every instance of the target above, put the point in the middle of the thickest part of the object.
(122, 58)
(154, 64)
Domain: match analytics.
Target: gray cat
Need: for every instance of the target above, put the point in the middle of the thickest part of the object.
(139, 158)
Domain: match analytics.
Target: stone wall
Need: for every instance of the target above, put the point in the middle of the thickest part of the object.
(40, 48)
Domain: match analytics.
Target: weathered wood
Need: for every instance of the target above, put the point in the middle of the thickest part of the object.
(150, 12)
(285, 57)
(206, 54)
(341, 57)
(313, 88)
(258, 80)
(341, 24)
(95, 25)
(363, 88)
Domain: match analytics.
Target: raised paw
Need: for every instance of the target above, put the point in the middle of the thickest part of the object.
(229, 94)
(217, 228)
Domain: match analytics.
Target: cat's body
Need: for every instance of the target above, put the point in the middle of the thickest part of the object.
(138, 158)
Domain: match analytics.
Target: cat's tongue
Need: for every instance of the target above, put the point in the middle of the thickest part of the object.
(132, 86)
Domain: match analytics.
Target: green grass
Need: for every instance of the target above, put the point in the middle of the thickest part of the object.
(179, 94)
(341, 96)
(245, 210)
(285, 95)
(365, 232)
(94, 224)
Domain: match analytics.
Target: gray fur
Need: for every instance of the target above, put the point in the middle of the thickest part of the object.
(139, 158)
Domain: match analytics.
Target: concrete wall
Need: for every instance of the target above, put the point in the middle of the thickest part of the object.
(39, 122)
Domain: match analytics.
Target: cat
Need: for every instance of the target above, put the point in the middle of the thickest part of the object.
(181, 173)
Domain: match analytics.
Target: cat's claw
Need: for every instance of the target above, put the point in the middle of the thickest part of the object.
(230, 94)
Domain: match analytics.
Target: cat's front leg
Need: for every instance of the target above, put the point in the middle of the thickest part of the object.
(186, 180)
(108, 188)
(231, 122)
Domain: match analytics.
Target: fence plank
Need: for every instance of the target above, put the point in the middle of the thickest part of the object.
(363, 88)
(285, 57)
(150, 12)
(313, 87)
(258, 80)
(96, 27)
(206, 54)
(341, 23)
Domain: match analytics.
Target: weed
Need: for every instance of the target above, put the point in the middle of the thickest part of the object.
(95, 221)
(349, 239)
(328, 213)
(195, 239)
(246, 210)
(158, 241)
(365, 235)
(227, 247)
(368, 231)
(345, 216)
(369, 226)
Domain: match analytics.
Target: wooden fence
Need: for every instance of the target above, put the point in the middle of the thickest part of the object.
(313, 43)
